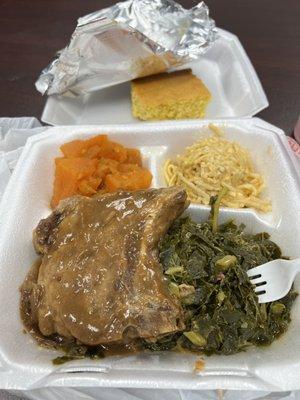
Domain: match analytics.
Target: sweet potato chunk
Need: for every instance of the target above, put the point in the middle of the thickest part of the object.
(99, 140)
(106, 166)
(72, 149)
(89, 186)
(134, 157)
(92, 152)
(77, 148)
(128, 167)
(133, 180)
(114, 151)
(68, 172)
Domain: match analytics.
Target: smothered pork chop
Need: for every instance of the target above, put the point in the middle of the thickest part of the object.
(99, 280)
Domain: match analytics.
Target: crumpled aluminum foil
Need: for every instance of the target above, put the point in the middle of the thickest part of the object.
(131, 39)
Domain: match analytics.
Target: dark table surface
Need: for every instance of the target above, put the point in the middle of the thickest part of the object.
(31, 31)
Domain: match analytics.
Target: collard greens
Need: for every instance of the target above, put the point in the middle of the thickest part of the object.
(206, 266)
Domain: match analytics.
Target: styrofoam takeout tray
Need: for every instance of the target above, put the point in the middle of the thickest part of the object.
(225, 69)
(23, 365)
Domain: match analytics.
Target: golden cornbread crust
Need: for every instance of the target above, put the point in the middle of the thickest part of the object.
(175, 95)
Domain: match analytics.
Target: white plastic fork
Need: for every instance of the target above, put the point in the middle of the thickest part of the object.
(274, 279)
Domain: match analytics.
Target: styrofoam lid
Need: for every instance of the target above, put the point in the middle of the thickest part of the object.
(225, 69)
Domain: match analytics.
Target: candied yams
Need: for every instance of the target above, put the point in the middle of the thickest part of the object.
(97, 165)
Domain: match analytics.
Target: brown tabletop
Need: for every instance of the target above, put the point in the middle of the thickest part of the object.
(31, 31)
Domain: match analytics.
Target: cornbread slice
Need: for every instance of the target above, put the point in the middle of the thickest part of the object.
(175, 95)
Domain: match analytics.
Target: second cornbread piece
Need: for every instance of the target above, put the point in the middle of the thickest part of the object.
(175, 95)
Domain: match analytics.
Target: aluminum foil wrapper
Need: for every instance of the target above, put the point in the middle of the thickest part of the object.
(131, 39)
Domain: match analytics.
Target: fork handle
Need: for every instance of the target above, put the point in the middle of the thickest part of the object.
(294, 265)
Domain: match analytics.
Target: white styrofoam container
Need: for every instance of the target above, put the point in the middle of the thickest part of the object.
(25, 366)
(225, 69)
